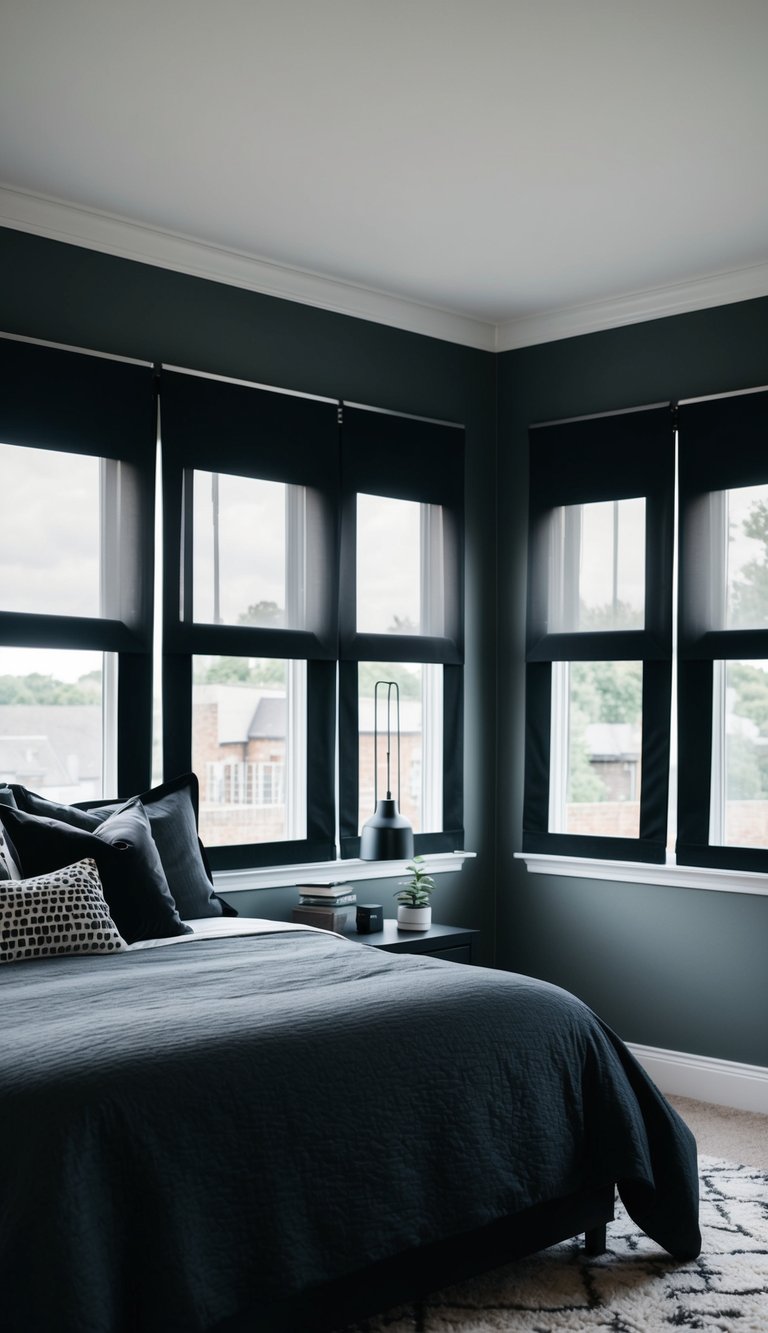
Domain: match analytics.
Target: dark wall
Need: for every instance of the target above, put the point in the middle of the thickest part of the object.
(677, 968)
(79, 297)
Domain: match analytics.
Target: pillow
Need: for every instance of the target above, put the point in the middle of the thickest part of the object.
(9, 868)
(172, 808)
(32, 804)
(65, 912)
(132, 876)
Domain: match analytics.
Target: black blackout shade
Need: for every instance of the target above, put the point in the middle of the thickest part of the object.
(52, 399)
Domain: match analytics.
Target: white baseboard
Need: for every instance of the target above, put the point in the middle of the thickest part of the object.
(724, 1082)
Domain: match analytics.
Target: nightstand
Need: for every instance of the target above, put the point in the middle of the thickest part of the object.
(451, 942)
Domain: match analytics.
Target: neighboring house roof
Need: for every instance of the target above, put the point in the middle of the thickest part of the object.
(269, 720)
(52, 745)
(250, 712)
(613, 741)
(235, 704)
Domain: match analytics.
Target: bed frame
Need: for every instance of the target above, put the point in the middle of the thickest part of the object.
(414, 1274)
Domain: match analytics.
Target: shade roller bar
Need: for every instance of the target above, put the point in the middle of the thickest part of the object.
(76, 403)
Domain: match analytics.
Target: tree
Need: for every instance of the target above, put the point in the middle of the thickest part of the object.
(35, 688)
(402, 625)
(750, 686)
(269, 672)
(610, 692)
(408, 679)
(262, 613)
(749, 605)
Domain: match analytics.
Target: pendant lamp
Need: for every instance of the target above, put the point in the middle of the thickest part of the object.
(387, 835)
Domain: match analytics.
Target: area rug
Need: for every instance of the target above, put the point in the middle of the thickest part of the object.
(633, 1288)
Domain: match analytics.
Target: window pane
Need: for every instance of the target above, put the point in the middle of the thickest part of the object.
(598, 566)
(421, 741)
(50, 532)
(51, 722)
(249, 748)
(388, 566)
(745, 822)
(604, 735)
(248, 551)
(747, 558)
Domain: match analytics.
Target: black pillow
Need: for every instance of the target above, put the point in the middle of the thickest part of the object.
(172, 808)
(9, 861)
(128, 861)
(32, 804)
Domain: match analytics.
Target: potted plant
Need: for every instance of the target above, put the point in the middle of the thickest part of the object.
(414, 911)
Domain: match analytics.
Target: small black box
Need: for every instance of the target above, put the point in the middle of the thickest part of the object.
(369, 918)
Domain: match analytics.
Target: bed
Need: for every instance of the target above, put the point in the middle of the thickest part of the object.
(247, 1125)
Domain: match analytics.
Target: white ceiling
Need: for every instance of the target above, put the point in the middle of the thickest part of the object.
(500, 159)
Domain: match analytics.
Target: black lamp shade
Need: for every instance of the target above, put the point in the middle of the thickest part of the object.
(387, 835)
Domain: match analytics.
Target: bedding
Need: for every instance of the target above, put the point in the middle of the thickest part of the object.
(199, 1127)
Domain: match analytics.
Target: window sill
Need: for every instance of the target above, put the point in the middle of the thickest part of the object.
(637, 872)
(340, 872)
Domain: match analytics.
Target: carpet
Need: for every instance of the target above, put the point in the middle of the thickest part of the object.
(633, 1288)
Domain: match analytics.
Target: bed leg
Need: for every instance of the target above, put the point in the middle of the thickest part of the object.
(595, 1240)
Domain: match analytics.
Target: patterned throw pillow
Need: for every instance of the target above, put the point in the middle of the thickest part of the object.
(63, 912)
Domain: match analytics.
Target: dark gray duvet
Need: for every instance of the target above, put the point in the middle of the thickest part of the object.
(189, 1130)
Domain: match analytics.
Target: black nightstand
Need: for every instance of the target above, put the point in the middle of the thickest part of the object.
(451, 942)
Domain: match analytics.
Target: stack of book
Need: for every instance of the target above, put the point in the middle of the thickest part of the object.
(329, 906)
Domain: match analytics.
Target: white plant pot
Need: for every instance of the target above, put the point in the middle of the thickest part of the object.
(414, 918)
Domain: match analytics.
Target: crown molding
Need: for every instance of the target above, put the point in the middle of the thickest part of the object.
(741, 284)
(23, 210)
(92, 229)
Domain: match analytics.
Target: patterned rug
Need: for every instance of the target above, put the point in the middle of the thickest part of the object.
(633, 1288)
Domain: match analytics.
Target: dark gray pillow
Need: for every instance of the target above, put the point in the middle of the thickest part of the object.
(132, 875)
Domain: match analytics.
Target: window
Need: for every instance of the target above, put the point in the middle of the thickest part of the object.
(599, 643)
(249, 739)
(248, 544)
(77, 445)
(219, 573)
(723, 643)
(597, 568)
(600, 725)
(250, 484)
(57, 722)
(597, 715)
(421, 741)
(401, 614)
